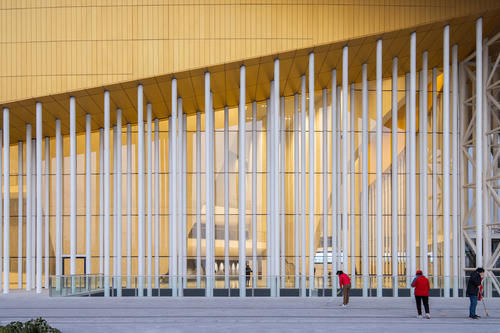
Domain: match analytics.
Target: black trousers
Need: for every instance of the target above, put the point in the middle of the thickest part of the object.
(425, 300)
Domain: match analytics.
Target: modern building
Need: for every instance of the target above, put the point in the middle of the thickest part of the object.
(165, 147)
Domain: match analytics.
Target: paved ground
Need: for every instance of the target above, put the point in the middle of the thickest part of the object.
(245, 315)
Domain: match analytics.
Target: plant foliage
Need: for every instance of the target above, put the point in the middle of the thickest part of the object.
(38, 325)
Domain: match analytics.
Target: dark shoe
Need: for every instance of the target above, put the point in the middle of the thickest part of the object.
(474, 317)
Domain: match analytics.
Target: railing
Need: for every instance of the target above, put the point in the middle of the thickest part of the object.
(75, 285)
(219, 285)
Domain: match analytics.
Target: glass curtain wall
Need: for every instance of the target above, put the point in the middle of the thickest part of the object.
(290, 136)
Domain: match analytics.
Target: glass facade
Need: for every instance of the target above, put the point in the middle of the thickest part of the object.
(227, 181)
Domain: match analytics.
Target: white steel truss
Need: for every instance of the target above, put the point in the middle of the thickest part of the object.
(489, 204)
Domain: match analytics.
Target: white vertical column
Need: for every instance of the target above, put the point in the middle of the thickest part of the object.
(487, 209)
(412, 159)
(325, 189)
(115, 195)
(242, 182)
(198, 200)
(150, 199)
(312, 169)
(352, 183)
(282, 157)
(334, 149)
(466, 175)
(274, 184)
(157, 204)
(47, 211)
(226, 197)
(72, 172)
(454, 179)
(420, 254)
(20, 216)
(272, 181)
(379, 170)
(446, 159)
(118, 201)
(101, 200)
(479, 143)
(254, 195)
(39, 211)
(106, 193)
(88, 196)
(183, 200)
(296, 189)
(395, 208)
(180, 189)
(29, 263)
(209, 170)
(59, 198)
(364, 180)
(303, 185)
(407, 181)
(1, 213)
(212, 184)
(33, 211)
(345, 74)
(6, 199)
(140, 185)
(171, 236)
(423, 167)
(276, 140)
(271, 193)
(173, 190)
(167, 180)
(268, 190)
(129, 204)
(434, 179)
(339, 182)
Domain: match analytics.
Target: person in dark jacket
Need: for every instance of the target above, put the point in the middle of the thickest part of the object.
(473, 291)
(421, 285)
(248, 271)
(345, 285)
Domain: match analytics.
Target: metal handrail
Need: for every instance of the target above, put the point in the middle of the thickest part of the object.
(93, 284)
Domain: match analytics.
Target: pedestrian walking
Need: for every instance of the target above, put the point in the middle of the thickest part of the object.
(421, 285)
(473, 291)
(345, 285)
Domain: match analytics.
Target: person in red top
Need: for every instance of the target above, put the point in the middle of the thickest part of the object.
(345, 285)
(421, 285)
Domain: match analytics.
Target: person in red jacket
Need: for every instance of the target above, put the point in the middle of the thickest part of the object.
(345, 285)
(421, 285)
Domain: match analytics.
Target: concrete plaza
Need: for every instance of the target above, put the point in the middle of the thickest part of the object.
(245, 315)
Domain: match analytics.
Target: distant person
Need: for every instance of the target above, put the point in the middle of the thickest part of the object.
(473, 291)
(345, 285)
(248, 271)
(421, 285)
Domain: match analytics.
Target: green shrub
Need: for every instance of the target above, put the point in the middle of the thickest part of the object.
(38, 325)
